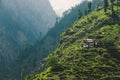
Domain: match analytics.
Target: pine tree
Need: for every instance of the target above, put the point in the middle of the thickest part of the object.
(105, 5)
(97, 5)
(79, 14)
(112, 6)
(85, 12)
(89, 6)
(118, 4)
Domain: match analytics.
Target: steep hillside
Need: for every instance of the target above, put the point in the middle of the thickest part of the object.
(73, 59)
(42, 48)
(21, 23)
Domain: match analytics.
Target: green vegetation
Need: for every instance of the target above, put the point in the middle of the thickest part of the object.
(31, 58)
(71, 61)
(110, 4)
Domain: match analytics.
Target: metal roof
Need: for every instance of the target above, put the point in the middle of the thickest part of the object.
(88, 40)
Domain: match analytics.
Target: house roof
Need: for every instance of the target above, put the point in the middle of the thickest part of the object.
(88, 40)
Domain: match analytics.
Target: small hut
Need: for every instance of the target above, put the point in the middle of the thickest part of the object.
(88, 43)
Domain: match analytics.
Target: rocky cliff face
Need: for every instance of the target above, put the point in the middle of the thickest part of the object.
(21, 24)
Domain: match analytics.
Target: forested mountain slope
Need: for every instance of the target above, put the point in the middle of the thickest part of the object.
(73, 59)
(21, 23)
(42, 48)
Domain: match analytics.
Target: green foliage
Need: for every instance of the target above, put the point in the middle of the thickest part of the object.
(52, 61)
(71, 61)
(23, 74)
(42, 48)
(111, 5)
(33, 55)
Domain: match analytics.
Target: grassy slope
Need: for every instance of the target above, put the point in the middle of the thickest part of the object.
(72, 62)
